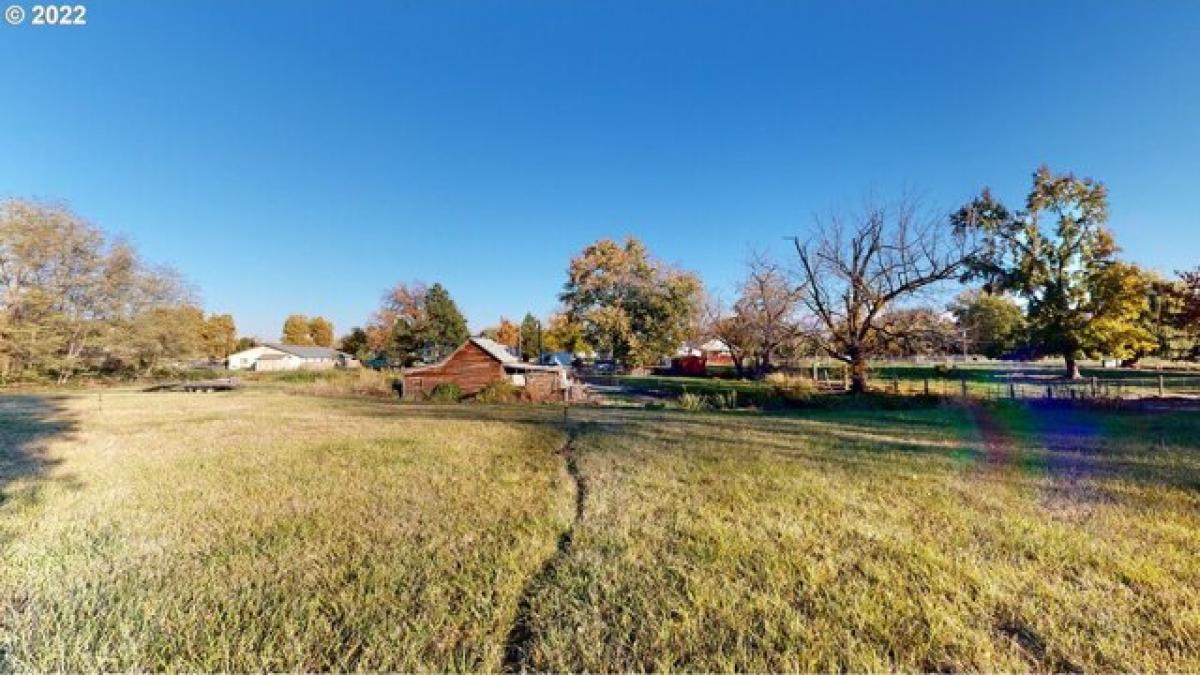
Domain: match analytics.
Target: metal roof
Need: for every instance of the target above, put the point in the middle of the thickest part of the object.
(495, 350)
(304, 352)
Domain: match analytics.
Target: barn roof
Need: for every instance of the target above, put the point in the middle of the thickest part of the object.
(304, 352)
(495, 350)
(490, 347)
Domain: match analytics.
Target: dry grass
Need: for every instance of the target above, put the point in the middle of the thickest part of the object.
(262, 530)
(269, 532)
(836, 542)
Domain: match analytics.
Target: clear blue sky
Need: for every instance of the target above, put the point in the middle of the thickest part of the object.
(303, 156)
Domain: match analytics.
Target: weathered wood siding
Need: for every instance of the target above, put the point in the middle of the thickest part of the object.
(471, 368)
(542, 387)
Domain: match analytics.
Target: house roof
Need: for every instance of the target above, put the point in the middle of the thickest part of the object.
(715, 345)
(304, 352)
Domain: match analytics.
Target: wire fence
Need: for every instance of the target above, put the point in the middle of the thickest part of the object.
(1025, 388)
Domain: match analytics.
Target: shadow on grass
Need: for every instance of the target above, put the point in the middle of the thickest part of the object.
(1063, 443)
(28, 423)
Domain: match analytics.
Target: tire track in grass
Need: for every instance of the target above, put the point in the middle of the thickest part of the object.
(519, 642)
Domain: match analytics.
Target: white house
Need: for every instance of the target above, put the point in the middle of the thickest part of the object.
(275, 356)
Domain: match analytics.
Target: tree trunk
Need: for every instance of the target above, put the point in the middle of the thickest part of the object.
(1072, 367)
(858, 374)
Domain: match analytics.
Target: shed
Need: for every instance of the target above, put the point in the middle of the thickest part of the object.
(480, 362)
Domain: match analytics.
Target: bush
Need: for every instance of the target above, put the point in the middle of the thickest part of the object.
(693, 402)
(725, 400)
(446, 392)
(789, 390)
(499, 392)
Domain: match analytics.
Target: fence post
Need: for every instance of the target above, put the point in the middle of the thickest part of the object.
(1093, 386)
(1162, 386)
(1049, 391)
(1012, 390)
(927, 386)
(963, 382)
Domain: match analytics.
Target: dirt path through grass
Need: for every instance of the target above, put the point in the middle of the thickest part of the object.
(520, 637)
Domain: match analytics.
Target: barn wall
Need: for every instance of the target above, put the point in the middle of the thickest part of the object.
(470, 368)
(543, 386)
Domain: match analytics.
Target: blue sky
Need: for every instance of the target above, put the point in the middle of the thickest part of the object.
(303, 156)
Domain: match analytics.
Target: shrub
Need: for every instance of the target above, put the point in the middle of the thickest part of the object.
(446, 392)
(725, 400)
(693, 402)
(499, 392)
(788, 390)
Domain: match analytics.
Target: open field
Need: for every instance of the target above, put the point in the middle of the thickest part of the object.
(267, 530)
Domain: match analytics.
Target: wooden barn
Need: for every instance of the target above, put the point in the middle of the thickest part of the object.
(480, 362)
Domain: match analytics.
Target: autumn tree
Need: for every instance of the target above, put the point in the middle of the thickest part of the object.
(162, 336)
(71, 298)
(1060, 258)
(855, 268)
(219, 336)
(992, 325)
(320, 331)
(404, 303)
(507, 333)
(296, 331)
(563, 335)
(530, 336)
(628, 304)
(416, 322)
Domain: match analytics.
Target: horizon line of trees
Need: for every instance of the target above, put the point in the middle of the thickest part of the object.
(75, 301)
(1044, 280)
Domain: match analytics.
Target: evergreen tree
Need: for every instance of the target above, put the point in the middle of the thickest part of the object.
(446, 328)
(531, 338)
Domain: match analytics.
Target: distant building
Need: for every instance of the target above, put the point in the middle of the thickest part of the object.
(714, 352)
(276, 356)
(480, 362)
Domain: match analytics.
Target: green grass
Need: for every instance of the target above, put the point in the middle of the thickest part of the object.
(263, 530)
(986, 380)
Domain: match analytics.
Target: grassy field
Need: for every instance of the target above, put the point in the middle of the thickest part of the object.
(983, 380)
(268, 530)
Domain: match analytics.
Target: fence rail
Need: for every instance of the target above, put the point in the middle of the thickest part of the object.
(1118, 388)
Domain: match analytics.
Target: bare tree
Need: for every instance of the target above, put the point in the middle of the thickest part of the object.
(723, 323)
(770, 305)
(856, 267)
(763, 320)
